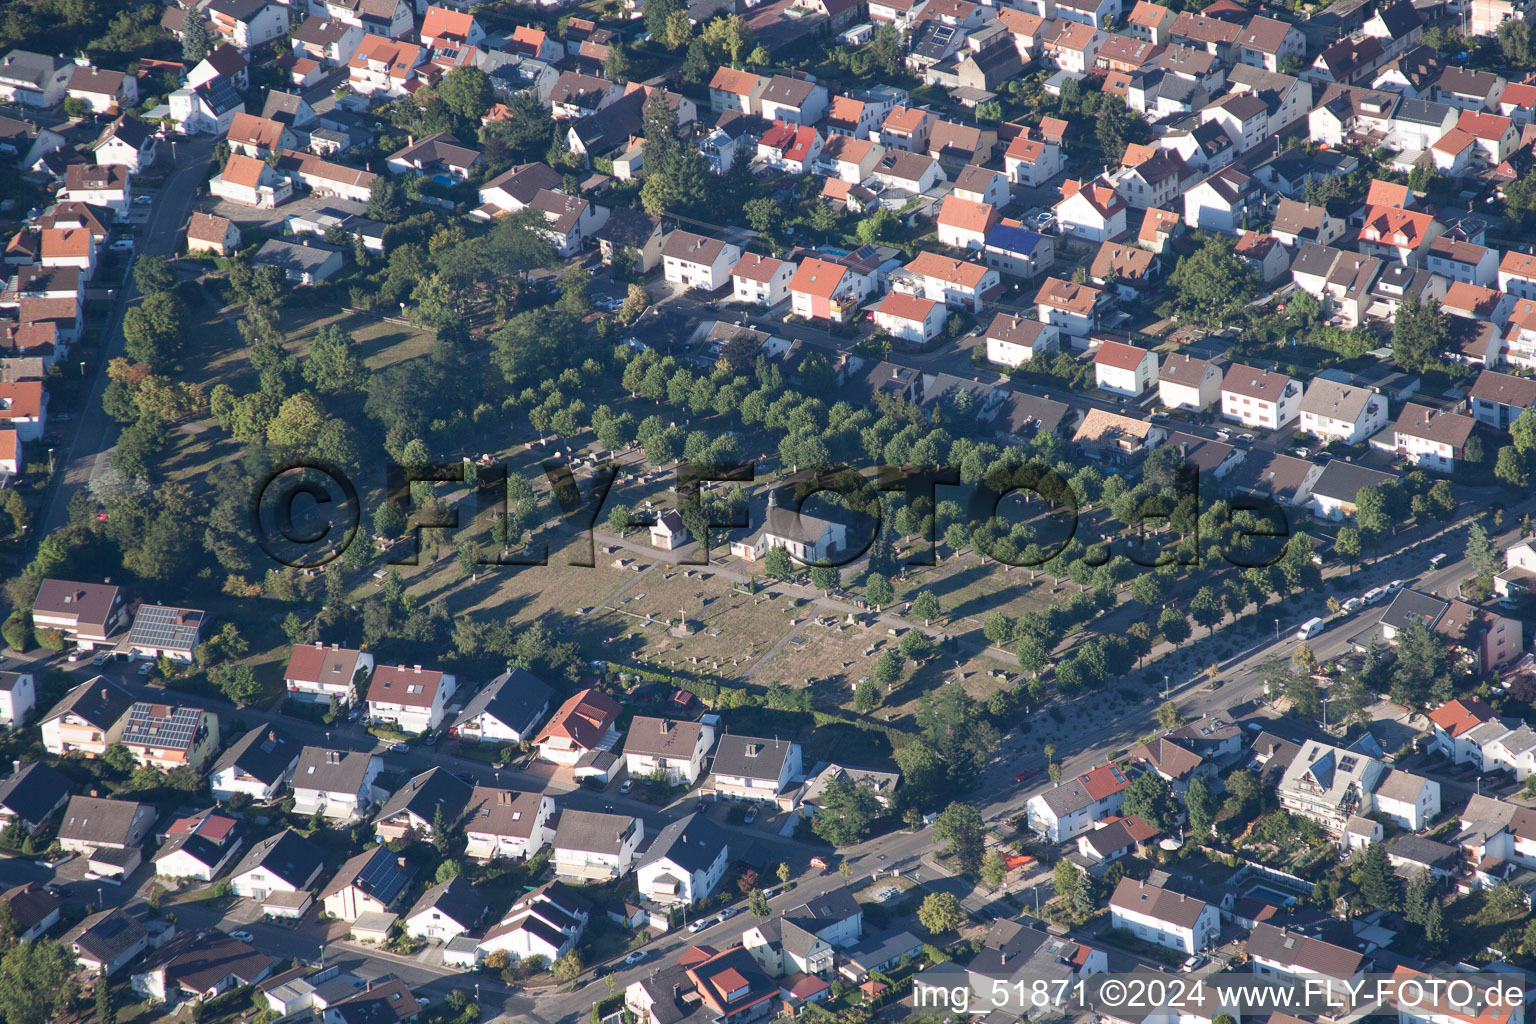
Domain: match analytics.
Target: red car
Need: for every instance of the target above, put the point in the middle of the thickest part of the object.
(1027, 773)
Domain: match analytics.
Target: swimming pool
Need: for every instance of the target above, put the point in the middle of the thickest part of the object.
(1268, 895)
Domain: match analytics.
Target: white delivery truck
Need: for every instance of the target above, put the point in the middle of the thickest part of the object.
(1309, 629)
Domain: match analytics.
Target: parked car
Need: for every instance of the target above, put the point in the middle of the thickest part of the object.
(100, 659)
(74, 656)
(635, 957)
(1351, 606)
(243, 936)
(143, 200)
(1395, 586)
(699, 925)
(1027, 773)
(398, 748)
(1193, 963)
(628, 785)
(751, 816)
(728, 913)
(122, 245)
(146, 668)
(1374, 595)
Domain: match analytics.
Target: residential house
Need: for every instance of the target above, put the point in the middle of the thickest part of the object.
(1112, 438)
(1297, 223)
(30, 79)
(1431, 438)
(329, 41)
(279, 872)
(696, 261)
(1266, 43)
(259, 136)
(1336, 488)
(823, 290)
(1164, 917)
(70, 247)
(580, 727)
(413, 810)
(792, 99)
(547, 922)
(957, 283)
(89, 719)
(319, 674)
(245, 24)
(250, 182)
(446, 910)
(1013, 340)
(1498, 399)
(505, 710)
(685, 863)
(385, 999)
(1329, 785)
(89, 614)
(368, 883)
(166, 737)
(505, 823)
(24, 409)
(761, 280)
(108, 832)
(127, 142)
(594, 846)
(1342, 412)
(672, 748)
(1259, 398)
(438, 154)
(163, 631)
(1490, 640)
(1124, 369)
(568, 220)
(1031, 161)
(258, 765)
(910, 317)
(1185, 382)
(337, 783)
(107, 941)
(1093, 211)
(199, 847)
(1130, 271)
(1411, 801)
(31, 796)
(206, 109)
(1223, 202)
(792, 148)
(1174, 762)
(751, 768)
(33, 909)
(412, 699)
(1069, 307)
(964, 224)
(1016, 251)
(216, 235)
(731, 89)
(1114, 838)
(385, 68)
(1070, 808)
(1300, 958)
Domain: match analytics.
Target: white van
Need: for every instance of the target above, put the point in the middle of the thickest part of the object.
(1309, 629)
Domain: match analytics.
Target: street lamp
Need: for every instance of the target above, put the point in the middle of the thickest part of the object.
(1277, 630)
(50, 461)
(1165, 686)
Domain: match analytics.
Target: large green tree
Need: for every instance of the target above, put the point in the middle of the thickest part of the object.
(846, 814)
(153, 331)
(1210, 284)
(961, 826)
(1419, 335)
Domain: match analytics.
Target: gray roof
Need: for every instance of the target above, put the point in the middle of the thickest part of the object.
(98, 701)
(1157, 903)
(1311, 955)
(91, 819)
(109, 934)
(1410, 605)
(34, 792)
(592, 831)
(1420, 850)
(517, 698)
(331, 771)
(692, 842)
(1401, 786)
(1334, 400)
(263, 753)
(28, 68)
(749, 757)
(293, 257)
(455, 899)
(377, 872)
(1342, 480)
(287, 855)
(424, 794)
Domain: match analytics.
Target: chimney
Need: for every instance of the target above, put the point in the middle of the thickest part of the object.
(16, 766)
(401, 862)
(271, 736)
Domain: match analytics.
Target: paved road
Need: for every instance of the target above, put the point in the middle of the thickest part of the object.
(88, 449)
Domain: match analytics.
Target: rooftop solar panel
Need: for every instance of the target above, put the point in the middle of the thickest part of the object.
(382, 877)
